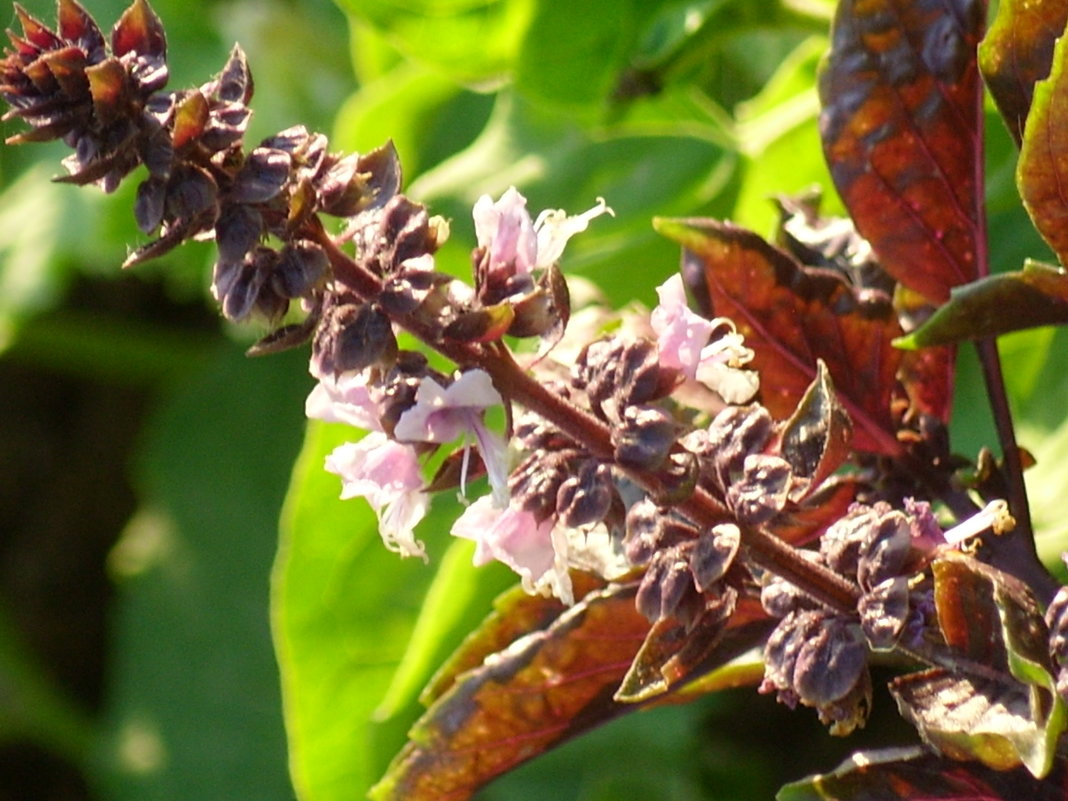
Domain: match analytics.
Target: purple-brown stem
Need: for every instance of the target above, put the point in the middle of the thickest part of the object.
(514, 383)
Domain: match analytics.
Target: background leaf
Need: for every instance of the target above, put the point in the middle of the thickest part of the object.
(901, 132)
(346, 613)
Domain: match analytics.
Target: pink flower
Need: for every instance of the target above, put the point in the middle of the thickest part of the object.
(536, 551)
(387, 474)
(343, 399)
(681, 334)
(682, 343)
(442, 414)
(517, 244)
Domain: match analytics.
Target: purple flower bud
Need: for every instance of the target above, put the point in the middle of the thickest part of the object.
(586, 497)
(645, 438)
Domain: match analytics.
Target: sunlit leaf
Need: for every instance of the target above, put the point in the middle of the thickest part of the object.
(997, 702)
(1036, 295)
(544, 688)
(914, 773)
(516, 613)
(471, 40)
(901, 132)
(1017, 51)
(792, 317)
(1041, 172)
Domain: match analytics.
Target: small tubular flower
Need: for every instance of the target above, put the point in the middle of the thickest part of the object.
(442, 414)
(518, 245)
(536, 551)
(387, 474)
(683, 344)
(343, 399)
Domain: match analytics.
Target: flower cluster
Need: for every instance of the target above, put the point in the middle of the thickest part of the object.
(638, 452)
(819, 656)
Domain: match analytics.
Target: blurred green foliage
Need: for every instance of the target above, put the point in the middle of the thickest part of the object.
(669, 107)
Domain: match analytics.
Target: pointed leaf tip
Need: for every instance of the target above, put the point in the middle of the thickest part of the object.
(139, 30)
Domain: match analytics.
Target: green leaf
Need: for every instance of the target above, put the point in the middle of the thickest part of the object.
(557, 164)
(470, 40)
(913, 773)
(359, 630)
(1041, 172)
(566, 39)
(193, 703)
(1034, 296)
(1017, 51)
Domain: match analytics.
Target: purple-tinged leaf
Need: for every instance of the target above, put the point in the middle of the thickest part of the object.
(1042, 172)
(916, 774)
(1017, 52)
(994, 699)
(541, 690)
(901, 132)
(1036, 295)
(794, 316)
(997, 722)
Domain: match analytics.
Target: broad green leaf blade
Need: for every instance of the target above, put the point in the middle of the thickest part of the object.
(901, 133)
(792, 317)
(1034, 296)
(193, 704)
(911, 774)
(1017, 51)
(345, 610)
(546, 687)
(470, 40)
(558, 165)
(566, 39)
(1041, 172)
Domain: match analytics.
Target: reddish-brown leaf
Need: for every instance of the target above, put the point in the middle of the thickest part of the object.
(792, 317)
(901, 132)
(910, 774)
(1042, 172)
(515, 614)
(1017, 52)
(544, 688)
